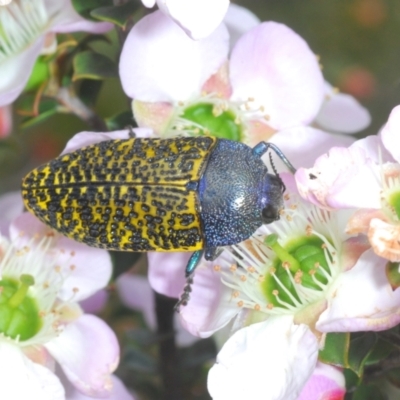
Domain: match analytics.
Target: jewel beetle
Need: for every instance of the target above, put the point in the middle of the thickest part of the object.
(180, 194)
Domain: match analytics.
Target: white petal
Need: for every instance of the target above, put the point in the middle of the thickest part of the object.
(15, 72)
(341, 112)
(270, 360)
(11, 206)
(211, 306)
(88, 352)
(239, 20)
(198, 18)
(363, 299)
(159, 62)
(119, 391)
(23, 379)
(83, 139)
(391, 133)
(149, 3)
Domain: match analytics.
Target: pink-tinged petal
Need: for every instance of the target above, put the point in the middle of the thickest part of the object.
(167, 272)
(390, 133)
(303, 145)
(88, 352)
(384, 239)
(23, 379)
(269, 360)
(66, 19)
(341, 112)
(83, 139)
(363, 299)
(326, 383)
(274, 66)
(135, 292)
(96, 302)
(198, 18)
(239, 20)
(360, 221)
(11, 206)
(218, 83)
(352, 250)
(159, 62)
(373, 149)
(156, 116)
(118, 392)
(15, 72)
(342, 178)
(6, 121)
(211, 305)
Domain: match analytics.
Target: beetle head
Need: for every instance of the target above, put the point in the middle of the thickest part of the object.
(272, 201)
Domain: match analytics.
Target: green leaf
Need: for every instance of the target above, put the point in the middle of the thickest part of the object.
(118, 15)
(336, 349)
(380, 351)
(47, 108)
(89, 90)
(393, 275)
(368, 392)
(394, 377)
(361, 347)
(91, 65)
(120, 121)
(39, 74)
(85, 7)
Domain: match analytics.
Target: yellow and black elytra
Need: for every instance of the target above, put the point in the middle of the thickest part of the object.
(181, 194)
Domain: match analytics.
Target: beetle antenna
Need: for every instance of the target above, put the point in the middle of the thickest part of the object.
(276, 172)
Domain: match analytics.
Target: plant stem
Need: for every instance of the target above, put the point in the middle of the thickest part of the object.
(75, 105)
(168, 352)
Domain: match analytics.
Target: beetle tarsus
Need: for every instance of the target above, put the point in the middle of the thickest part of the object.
(185, 297)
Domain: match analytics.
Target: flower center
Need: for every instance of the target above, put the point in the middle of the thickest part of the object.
(211, 119)
(21, 23)
(19, 313)
(302, 265)
(288, 265)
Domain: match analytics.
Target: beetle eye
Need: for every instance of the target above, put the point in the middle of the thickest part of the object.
(270, 214)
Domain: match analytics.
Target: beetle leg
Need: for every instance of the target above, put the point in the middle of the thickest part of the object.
(193, 262)
(211, 253)
(262, 147)
(131, 133)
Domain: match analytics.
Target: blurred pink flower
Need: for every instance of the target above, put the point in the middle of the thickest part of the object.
(365, 176)
(326, 383)
(198, 18)
(5, 121)
(28, 29)
(291, 283)
(48, 338)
